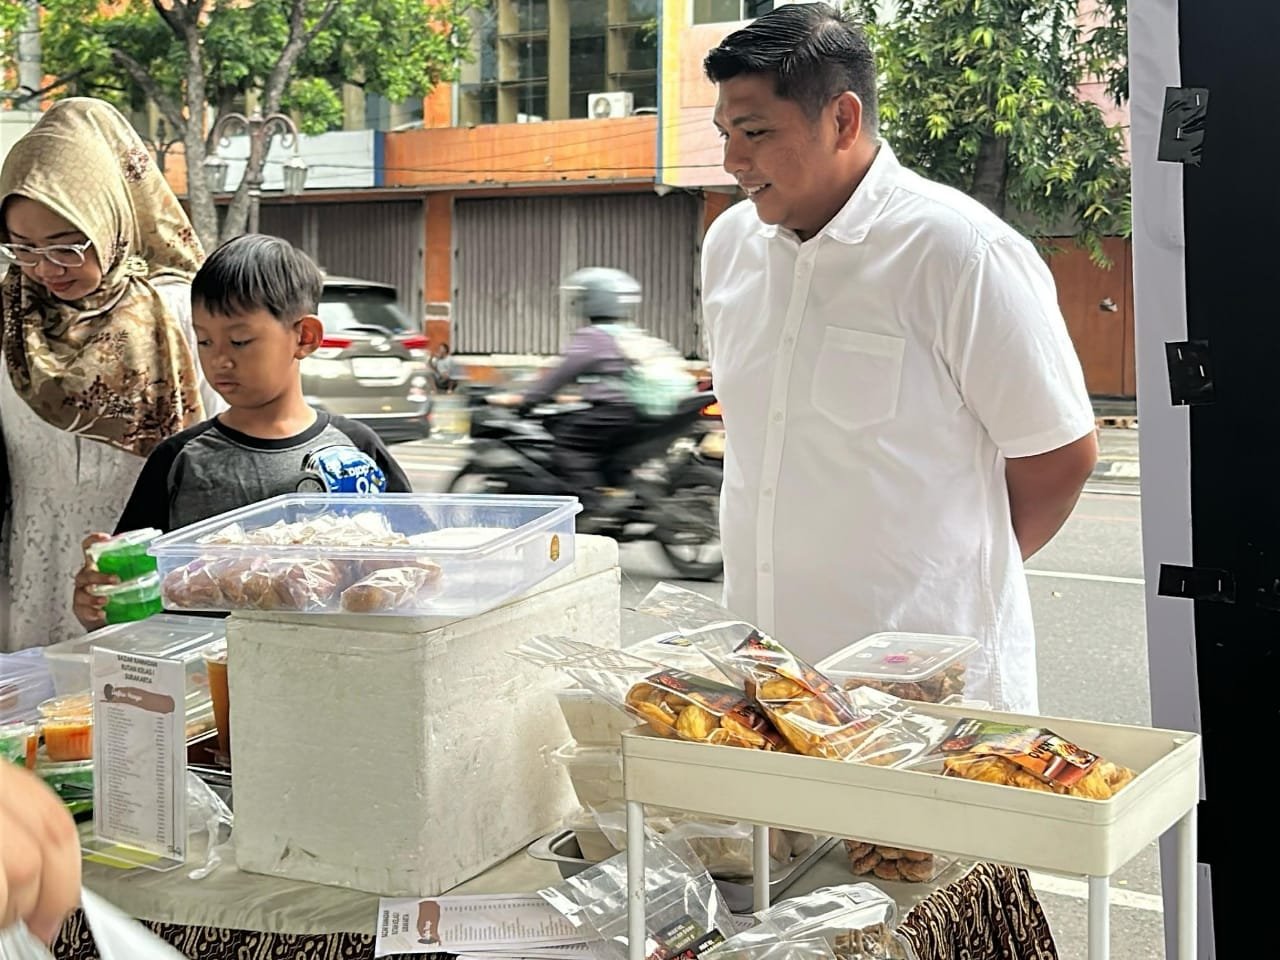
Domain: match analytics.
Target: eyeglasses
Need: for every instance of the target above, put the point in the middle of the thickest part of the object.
(69, 255)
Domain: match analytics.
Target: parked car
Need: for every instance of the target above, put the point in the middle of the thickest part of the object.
(372, 364)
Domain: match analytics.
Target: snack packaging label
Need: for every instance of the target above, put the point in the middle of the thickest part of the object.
(1038, 751)
(682, 940)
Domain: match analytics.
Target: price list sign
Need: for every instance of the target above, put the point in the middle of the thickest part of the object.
(140, 758)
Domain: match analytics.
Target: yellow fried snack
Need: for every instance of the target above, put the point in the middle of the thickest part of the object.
(694, 723)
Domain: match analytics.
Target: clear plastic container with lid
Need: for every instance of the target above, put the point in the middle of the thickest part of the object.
(409, 555)
(132, 600)
(125, 556)
(166, 637)
(913, 666)
(18, 743)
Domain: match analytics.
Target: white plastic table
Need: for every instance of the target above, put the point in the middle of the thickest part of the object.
(920, 811)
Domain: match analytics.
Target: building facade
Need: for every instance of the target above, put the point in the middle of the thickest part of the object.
(579, 134)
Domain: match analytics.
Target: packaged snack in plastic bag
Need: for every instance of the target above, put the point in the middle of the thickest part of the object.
(685, 915)
(389, 588)
(814, 715)
(855, 921)
(1029, 757)
(894, 863)
(671, 702)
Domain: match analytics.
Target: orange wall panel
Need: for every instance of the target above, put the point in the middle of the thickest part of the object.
(552, 151)
(439, 248)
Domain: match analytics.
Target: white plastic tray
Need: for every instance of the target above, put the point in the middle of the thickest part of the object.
(924, 811)
(490, 549)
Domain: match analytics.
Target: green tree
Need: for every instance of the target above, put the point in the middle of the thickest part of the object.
(984, 95)
(193, 59)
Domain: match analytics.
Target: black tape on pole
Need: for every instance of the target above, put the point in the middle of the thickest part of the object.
(1197, 583)
(1190, 373)
(1182, 129)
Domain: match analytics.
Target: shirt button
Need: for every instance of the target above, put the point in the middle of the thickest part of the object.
(768, 491)
(789, 341)
(777, 416)
(766, 568)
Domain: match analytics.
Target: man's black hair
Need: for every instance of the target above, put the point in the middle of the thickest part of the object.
(257, 272)
(814, 52)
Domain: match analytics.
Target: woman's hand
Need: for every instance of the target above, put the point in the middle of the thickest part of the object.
(87, 607)
(39, 855)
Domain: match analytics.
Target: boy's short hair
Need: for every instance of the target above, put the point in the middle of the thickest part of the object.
(814, 51)
(257, 272)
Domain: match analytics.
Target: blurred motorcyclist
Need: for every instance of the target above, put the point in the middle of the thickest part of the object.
(596, 365)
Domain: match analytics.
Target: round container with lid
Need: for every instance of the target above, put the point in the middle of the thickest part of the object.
(125, 556)
(132, 600)
(66, 724)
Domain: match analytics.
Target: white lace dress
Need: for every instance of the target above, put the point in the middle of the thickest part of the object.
(63, 488)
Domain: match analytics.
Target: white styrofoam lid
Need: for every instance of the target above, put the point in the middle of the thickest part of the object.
(897, 657)
(164, 636)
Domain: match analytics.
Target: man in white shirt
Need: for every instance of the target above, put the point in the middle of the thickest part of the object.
(906, 417)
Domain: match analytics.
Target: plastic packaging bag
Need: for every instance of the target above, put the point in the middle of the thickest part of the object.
(894, 863)
(207, 814)
(1032, 758)
(724, 847)
(116, 936)
(685, 914)
(855, 922)
(742, 947)
(673, 703)
(25, 683)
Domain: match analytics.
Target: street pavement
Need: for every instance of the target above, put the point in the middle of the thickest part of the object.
(1087, 597)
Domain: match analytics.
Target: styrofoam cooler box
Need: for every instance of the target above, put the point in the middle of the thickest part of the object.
(402, 757)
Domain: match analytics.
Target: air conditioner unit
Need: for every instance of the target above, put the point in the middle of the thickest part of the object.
(604, 106)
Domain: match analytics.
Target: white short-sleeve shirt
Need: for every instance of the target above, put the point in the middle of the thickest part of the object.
(873, 380)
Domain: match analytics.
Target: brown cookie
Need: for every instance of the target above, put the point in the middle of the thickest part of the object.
(888, 870)
(864, 865)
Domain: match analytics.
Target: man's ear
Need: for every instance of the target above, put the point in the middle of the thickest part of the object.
(848, 119)
(310, 332)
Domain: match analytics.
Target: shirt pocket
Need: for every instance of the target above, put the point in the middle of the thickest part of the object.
(857, 377)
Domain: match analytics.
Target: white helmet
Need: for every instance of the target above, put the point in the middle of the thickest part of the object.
(602, 293)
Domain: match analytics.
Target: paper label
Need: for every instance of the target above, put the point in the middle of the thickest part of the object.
(518, 924)
(140, 753)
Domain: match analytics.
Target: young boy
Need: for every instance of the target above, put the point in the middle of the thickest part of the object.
(254, 306)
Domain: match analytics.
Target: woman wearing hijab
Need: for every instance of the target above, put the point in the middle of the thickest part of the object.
(98, 353)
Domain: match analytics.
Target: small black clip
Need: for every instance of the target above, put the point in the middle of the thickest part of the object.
(1190, 372)
(1197, 583)
(1182, 130)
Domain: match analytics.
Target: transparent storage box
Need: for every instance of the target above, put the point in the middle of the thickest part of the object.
(165, 637)
(410, 555)
(913, 666)
(25, 683)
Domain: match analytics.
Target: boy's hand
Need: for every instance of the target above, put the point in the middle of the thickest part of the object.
(88, 608)
(39, 855)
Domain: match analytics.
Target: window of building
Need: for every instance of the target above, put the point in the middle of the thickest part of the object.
(728, 11)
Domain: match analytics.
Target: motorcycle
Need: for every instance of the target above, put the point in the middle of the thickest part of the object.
(674, 488)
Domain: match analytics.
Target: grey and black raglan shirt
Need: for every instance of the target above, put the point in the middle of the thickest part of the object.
(210, 469)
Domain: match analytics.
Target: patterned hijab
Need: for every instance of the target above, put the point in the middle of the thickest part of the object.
(116, 366)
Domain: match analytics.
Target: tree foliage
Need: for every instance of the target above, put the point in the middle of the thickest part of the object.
(199, 58)
(984, 95)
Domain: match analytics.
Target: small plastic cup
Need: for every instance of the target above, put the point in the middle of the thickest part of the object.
(125, 556)
(18, 743)
(220, 693)
(132, 600)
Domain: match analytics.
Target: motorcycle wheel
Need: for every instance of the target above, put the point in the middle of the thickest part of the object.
(470, 480)
(698, 489)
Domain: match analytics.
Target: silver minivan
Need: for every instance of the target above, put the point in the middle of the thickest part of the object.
(372, 364)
